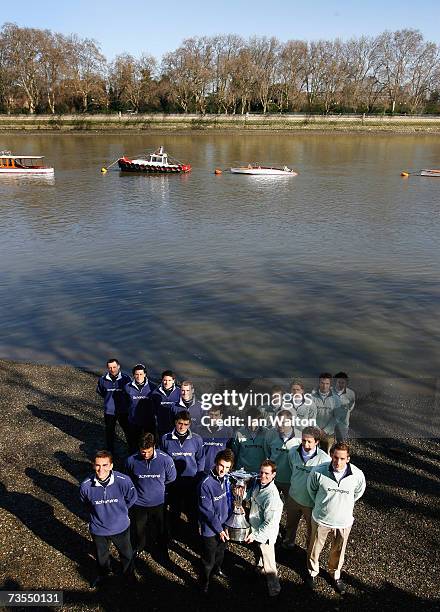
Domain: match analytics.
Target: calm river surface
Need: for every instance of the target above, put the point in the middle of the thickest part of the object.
(337, 268)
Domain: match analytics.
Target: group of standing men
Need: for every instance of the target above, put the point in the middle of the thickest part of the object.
(170, 463)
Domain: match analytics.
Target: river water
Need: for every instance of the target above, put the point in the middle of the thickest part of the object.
(227, 275)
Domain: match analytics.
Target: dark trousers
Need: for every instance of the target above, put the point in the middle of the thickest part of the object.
(149, 524)
(134, 434)
(110, 421)
(182, 498)
(213, 552)
(123, 546)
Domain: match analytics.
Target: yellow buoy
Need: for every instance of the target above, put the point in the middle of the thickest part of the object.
(217, 171)
(103, 170)
(405, 174)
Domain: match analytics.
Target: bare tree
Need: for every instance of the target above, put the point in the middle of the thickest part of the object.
(87, 71)
(54, 66)
(190, 71)
(23, 55)
(406, 66)
(264, 53)
(362, 86)
(6, 77)
(225, 51)
(291, 73)
(131, 80)
(243, 79)
(423, 75)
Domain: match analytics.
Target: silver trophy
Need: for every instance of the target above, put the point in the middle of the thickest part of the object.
(237, 525)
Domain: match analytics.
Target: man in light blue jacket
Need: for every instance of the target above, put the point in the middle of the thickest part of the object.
(347, 401)
(328, 405)
(277, 445)
(264, 518)
(334, 487)
(302, 459)
(248, 443)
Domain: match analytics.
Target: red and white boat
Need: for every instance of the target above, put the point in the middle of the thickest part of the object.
(158, 161)
(22, 164)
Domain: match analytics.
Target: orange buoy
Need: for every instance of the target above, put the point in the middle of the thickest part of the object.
(218, 171)
(405, 174)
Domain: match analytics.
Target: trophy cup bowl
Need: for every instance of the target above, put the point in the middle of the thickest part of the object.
(238, 527)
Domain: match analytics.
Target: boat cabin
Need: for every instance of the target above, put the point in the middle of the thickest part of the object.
(159, 157)
(7, 160)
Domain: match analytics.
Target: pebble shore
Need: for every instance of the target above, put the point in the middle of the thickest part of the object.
(51, 425)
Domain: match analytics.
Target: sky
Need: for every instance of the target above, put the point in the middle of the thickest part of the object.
(145, 26)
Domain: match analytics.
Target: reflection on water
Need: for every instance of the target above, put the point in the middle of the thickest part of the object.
(26, 179)
(336, 268)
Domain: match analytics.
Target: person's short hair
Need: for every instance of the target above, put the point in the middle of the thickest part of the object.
(185, 382)
(147, 441)
(313, 432)
(103, 454)
(269, 463)
(225, 455)
(253, 413)
(276, 389)
(137, 367)
(340, 446)
(183, 415)
(168, 373)
(111, 360)
(341, 375)
(214, 408)
(299, 383)
(325, 375)
(284, 412)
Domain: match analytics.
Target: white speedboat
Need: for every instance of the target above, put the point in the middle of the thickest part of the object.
(22, 164)
(263, 170)
(430, 173)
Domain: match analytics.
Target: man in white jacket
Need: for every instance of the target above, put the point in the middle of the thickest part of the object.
(334, 488)
(347, 401)
(302, 459)
(264, 518)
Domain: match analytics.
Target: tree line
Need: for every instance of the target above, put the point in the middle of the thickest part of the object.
(47, 72)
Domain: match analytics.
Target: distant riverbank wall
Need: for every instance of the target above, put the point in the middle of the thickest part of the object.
(251, 122)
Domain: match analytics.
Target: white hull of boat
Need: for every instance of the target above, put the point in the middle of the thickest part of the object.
(435, 173)
(23, 171)
(264, 171)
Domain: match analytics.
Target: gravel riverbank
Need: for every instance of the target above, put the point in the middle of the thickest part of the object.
(52, 423)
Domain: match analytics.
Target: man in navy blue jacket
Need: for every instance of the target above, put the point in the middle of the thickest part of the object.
(186, 450)
(189, 402)
(214, 512)
(140, 406)
(215, 436)
(111, 388)
(108, 495)
(151, 470)
(164, 399)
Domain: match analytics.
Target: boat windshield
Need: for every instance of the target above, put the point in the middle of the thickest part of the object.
(160, 159)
